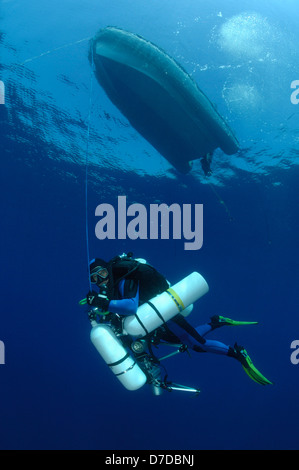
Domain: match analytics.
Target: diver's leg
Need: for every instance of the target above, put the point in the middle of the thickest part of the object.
(197, 342)
(212, 346)
(218, 321)
(203, 330)
(237, 352)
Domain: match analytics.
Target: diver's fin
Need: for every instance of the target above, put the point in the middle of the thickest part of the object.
(218, 320)
(242, 356)
(255, 375)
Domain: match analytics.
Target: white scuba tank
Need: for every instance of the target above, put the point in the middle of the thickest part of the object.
(163, 307)
(184, 312)
(117, 358)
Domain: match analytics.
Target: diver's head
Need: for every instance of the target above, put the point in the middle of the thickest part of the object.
(99, 275)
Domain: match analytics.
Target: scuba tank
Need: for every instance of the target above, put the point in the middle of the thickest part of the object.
(117, 358)
(163, 307)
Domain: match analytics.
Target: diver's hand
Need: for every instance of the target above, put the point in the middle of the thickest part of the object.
(97, 300)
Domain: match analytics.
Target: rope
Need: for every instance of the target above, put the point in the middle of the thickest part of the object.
(88, 133)
(54, 50)
(86, 167)
(221, 201)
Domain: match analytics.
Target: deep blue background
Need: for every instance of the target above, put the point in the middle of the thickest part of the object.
(56, 392)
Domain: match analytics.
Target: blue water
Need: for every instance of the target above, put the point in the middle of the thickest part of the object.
(56, 392)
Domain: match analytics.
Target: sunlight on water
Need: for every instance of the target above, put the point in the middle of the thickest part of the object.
(253, 73)
(241, 97)
(249, 34)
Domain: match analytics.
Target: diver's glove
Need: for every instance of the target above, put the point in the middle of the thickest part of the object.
(98, 300)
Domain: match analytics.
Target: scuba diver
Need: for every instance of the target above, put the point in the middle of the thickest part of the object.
(125, 283)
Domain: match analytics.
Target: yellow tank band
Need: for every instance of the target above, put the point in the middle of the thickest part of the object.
(177, 300)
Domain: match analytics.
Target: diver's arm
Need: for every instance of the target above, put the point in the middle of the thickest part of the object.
(123, 306)
(127, 306)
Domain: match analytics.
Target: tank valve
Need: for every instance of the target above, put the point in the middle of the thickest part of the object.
(138, 346)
